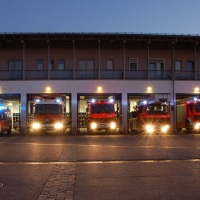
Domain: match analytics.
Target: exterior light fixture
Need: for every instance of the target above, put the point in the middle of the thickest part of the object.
(149, 89)
(48, 89)
(99, 89)
(196, 90)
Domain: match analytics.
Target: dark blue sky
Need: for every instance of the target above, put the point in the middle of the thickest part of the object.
(135, 16)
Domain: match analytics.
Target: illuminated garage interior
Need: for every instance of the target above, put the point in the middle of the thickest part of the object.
(65, 99)
(12, 101)
(135, 99)
(82, 101)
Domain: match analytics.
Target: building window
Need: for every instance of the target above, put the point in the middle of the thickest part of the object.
(61, 64)
(133, 63)
(178, 65)
(86, 65)
(40, 64)
(190, 66)
(156, 65)
(156, 68)
(110, 64)
(15, 65)
(51, 65)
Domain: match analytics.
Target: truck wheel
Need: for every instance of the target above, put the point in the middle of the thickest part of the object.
(9, 131)
(113, 131)
(179, 129)
(59, 132)
(188, 127)
(89, 130)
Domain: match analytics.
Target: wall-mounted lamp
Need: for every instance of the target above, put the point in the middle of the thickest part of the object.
(149, 89)
(99, 89)
(48, 89)
(196, 90)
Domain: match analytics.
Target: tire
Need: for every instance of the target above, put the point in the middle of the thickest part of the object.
(9, 131)
(179, 129)
(89, 130)
(189, 127)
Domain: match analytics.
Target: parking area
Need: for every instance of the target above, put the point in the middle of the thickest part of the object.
(100, 167)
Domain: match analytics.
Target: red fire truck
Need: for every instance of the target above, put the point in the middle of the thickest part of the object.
(101, 115)
(151, 117)
(188, 114)
(5, 120)
(48, 114)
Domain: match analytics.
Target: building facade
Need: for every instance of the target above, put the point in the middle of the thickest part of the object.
(80, 66)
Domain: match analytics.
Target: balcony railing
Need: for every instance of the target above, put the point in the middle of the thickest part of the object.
(136, 74)
(95, 74)
(36, 75)
(11, 75)
(180, 75)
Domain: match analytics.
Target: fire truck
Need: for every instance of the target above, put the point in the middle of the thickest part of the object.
(101, 115)
(48, 114)
(5, 120)
(188, 114)
(151, 117)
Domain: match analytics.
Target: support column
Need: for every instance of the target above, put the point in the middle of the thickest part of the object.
(48, 58)
(195, 65)
(74, 60)
(23, 57)
(23, 128)
(124, 60)
(99, 54)
(124, 113)
(74, 112)
(148, 75)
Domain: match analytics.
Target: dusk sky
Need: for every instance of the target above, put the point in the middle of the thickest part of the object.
(130, 16)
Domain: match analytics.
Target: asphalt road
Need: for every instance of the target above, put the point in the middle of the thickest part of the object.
(100, 167)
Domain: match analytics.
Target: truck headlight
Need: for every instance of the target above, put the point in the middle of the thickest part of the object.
(165, 128)
(58, 125)
(197, 126)
(149, 128)
(36, 125)
(93, 125)
(113, 125)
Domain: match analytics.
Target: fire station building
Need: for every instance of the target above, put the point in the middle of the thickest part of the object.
(79, 66)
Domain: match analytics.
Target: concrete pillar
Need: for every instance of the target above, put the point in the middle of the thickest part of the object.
(74, 112)
(99, 59)
(24, 64)
(74, 60)
(48, 58)
(124, 60)
(23, 127)
(124, 113)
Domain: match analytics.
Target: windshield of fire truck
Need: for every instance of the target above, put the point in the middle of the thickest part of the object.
(47, 109)
(197, 107)
(157, 110)
(102, 108)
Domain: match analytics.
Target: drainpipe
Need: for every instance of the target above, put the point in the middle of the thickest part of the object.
(173, 100)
